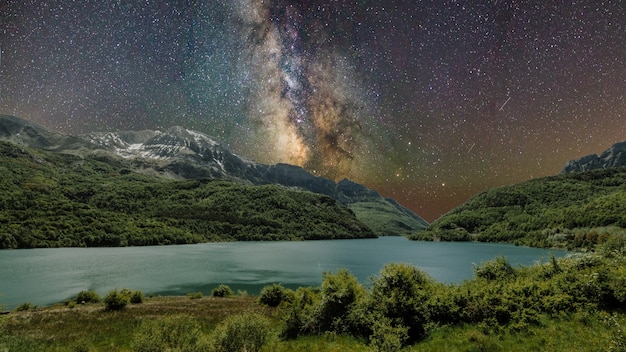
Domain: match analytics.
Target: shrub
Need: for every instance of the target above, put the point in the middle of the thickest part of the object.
(173, 333)
(136, 297)
(244, 332)
(387, 338)
(195, 295)
(222, 291)
(89, 296)
(272, 295)
(25, 307)
(340, 293)
(400, 294)
(115, 300)
(498, 269)
(298, 310)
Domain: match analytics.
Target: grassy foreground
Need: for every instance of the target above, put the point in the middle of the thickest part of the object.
(90, 327)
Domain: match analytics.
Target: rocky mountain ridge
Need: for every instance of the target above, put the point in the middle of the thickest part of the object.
(615, 156)
(182, 154)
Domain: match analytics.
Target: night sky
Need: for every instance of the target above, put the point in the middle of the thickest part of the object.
(428, 102)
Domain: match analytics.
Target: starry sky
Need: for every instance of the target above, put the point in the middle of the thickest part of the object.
(428, 102)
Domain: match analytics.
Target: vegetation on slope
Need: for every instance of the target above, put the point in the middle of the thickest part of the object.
(578, 210)
(55, 200)
(383, 218)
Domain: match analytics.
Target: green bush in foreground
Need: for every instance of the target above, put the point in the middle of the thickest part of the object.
(89, 296)
(272, 295)
(195, 295)
(400, 295)
(245, 332)
(25, 306)
(498, 269)
(340, 295)
(136, 297)
(116, 300)
(404, 305)
(222, 291)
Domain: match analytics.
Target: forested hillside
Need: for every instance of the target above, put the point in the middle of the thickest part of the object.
(577, 210)
(56, 200)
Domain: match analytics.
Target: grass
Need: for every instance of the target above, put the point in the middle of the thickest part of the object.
(579, 332)
(60, 328)
(90, 328)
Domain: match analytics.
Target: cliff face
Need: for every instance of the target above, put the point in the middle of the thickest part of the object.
(615, 156)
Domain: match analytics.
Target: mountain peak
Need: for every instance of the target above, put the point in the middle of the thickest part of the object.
(615, 156)
(180, 153)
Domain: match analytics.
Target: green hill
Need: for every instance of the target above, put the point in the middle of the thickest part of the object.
(57, 200)
(577, 210)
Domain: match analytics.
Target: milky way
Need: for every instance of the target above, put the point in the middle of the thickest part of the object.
(306, 104)
(429, 102)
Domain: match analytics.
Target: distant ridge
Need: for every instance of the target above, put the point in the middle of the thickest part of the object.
(22, 132)
(183, 154)
(615, 156)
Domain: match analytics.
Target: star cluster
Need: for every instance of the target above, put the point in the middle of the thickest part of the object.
(428, 102)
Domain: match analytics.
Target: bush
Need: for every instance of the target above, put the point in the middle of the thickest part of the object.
(272, 295)
(387, 338)
(25, 307)
(340, 293)
(87, 297)
(115, 300)
(298, 310)
(195, 295)
(244, 332)
(400, 295)
(498, 269)
(173, 333)
(136, 297)
(222, 291)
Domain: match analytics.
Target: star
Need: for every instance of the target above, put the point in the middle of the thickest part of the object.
(397, 96)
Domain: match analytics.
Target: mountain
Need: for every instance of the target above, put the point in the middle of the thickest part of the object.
(574, 210)
(181, 154)
(22, 132)
(50, 199)
(615, 156)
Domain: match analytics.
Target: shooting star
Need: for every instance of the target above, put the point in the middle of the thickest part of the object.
(470, 149)
(502, 107)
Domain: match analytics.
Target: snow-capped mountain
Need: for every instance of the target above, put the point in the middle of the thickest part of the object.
(176, 153)
(156, 145)
(179, 153)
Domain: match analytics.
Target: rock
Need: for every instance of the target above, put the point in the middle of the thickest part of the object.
(615, 156)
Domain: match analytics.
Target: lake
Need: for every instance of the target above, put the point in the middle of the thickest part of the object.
(48, 276)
